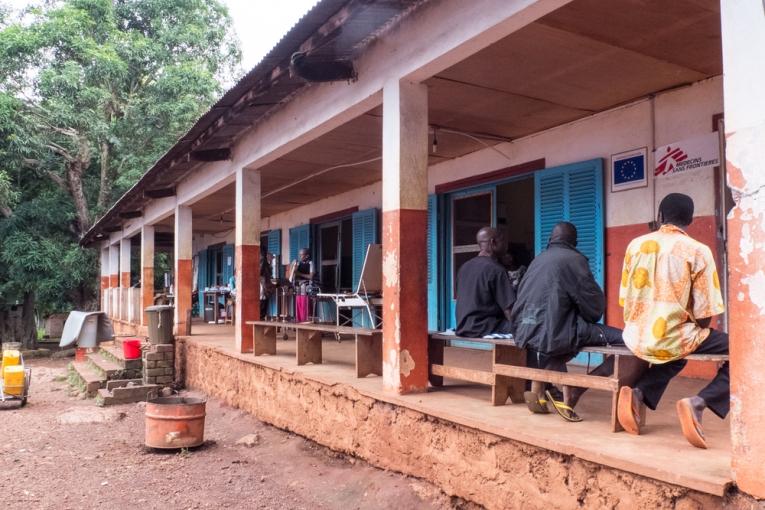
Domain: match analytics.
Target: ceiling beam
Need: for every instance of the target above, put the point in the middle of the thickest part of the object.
(159, 193)
(128, 215)
(211, 154)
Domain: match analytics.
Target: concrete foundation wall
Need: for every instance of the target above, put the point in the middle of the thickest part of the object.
(490, 470)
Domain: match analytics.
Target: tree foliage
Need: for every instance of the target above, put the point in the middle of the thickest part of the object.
(92, 92)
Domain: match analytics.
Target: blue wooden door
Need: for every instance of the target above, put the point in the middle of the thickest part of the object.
(573, 193)
(468, 211)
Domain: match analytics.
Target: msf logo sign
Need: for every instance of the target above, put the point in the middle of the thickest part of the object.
(670, 160)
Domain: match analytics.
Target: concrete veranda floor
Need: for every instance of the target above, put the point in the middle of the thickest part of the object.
(662, 453)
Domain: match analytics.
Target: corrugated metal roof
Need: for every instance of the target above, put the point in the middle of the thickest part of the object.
(332, 28)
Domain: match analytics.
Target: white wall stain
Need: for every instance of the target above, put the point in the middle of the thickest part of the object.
(391, 379)
(407, 363)
(746, 245)
(756, 284)
(397, 330)
(390, 269)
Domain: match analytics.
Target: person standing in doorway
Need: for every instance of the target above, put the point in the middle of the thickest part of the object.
(304, 276)
(670, 290)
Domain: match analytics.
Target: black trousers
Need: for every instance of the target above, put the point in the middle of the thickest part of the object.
(716, 394)
(263, 309)
(599, 335)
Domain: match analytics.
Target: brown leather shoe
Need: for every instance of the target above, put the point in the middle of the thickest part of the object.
(626, 413)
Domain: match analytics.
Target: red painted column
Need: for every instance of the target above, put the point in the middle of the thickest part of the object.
(104, 270)
(743, 38)
(147, 271)
(247, 256)
(114, 280)
(183, 261)
(404, 234)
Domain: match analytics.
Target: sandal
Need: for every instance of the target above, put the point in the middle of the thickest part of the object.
(535, 403)
(692, 429)
(566, 412)
(625, 411)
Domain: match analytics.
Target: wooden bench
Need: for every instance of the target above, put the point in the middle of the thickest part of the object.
(510, 373)
(308, 343)
(504, 354)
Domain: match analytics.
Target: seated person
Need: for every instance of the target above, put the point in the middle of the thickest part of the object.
(556, 314)
(485, 295)
(670, 291)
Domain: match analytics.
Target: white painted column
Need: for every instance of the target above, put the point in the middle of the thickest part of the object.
(743, 41)
(247, 255)
(183, 261)
(104, 280)
(124, 300)
(114, 280)
(404, 234)
(147, 270)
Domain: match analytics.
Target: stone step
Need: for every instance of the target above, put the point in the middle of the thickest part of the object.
(87, 378)
(116, 354)
(127, 394)
(108, 368)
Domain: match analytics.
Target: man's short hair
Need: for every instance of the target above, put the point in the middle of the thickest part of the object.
(564, 231)
(677, 208)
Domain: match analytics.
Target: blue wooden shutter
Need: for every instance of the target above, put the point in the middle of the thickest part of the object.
(275, 247)
(201, 280)
(228, 263)
(300, 237)
(432, 255)
(572, 193)
(364, 234)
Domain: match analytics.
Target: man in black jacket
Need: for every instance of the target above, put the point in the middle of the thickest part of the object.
(485, 295)
(559, 304)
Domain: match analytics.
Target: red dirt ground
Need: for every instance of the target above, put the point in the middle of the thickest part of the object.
(65, 453)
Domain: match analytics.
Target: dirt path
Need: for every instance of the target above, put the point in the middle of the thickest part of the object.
(65, 453)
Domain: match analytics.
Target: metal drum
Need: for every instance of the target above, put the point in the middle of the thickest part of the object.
(175, 422)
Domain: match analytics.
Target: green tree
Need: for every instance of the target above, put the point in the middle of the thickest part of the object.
(92, 92)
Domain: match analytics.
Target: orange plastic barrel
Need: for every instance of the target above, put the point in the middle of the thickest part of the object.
(13, 380)
(11, 357)
(175, 422)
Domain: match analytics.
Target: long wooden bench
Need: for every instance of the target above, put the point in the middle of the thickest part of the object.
(510, 371)
(308, 344)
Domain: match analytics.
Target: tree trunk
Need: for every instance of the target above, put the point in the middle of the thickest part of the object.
(105, 187)
(28, 334)
(74, 181)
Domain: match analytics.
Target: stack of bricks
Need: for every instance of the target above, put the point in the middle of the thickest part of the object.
(158, 364)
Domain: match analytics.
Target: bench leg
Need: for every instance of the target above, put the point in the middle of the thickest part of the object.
(435, 357)
(369, 355)
(627, 371)
(505, 387)
(264, 340)
(308, 347)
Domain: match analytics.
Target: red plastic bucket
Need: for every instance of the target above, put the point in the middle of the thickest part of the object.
(131, 348)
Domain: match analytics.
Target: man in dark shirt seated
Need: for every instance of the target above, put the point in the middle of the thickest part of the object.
(556, 315)
(485, 295)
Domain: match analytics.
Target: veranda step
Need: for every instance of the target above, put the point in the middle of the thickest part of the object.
(108, 368)
(90, 380)
(116, 354)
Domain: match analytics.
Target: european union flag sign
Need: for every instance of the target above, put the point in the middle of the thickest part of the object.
(628, 170)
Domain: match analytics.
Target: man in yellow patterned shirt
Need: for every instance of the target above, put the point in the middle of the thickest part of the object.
(670, 291)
